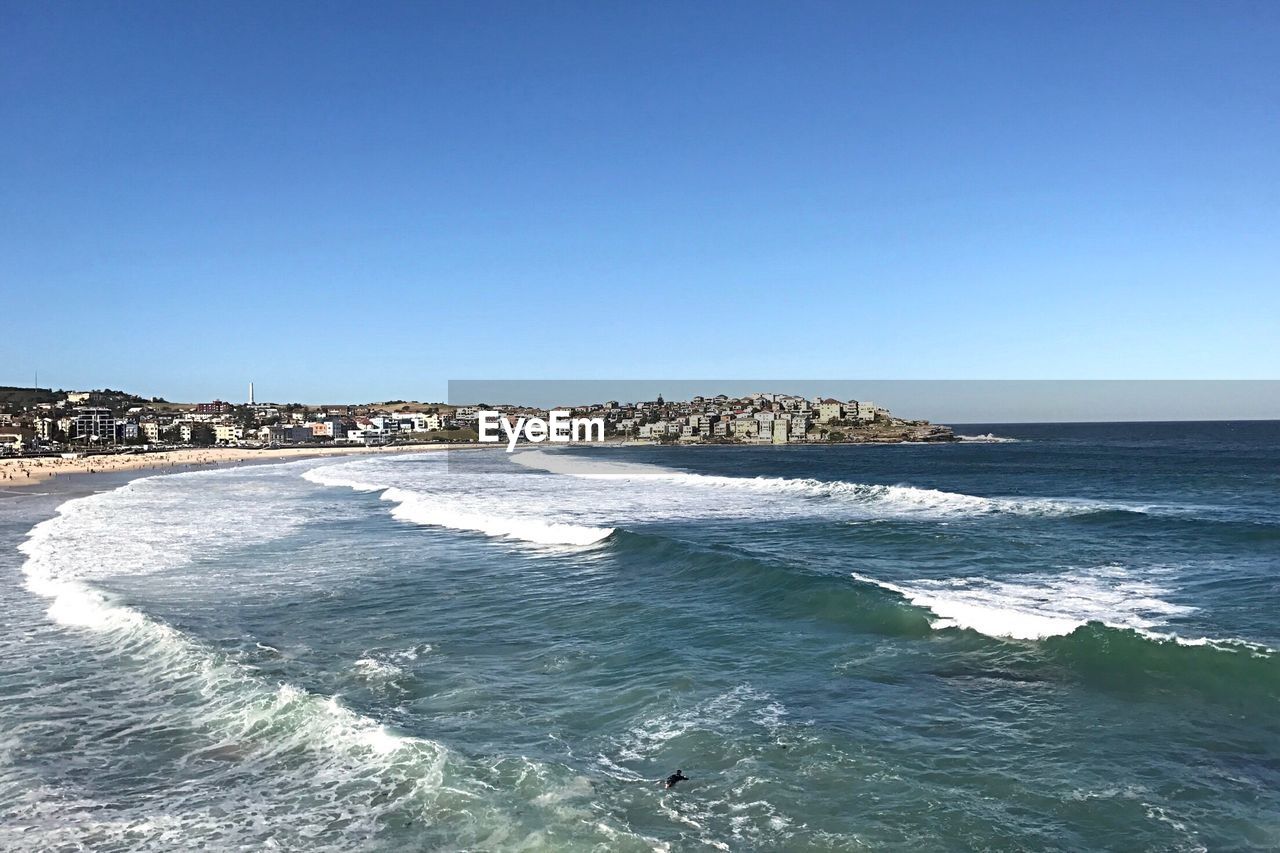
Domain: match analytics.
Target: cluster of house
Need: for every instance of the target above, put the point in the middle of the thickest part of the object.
(756, 418)
(329, 426)
(66, 422)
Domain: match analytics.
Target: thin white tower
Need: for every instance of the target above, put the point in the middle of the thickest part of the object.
(250, 393)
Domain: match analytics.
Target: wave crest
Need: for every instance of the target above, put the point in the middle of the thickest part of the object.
(896, 499)
(233, 713)
(989, 438)
(430, 510)
(1040, 606)
(424, 509)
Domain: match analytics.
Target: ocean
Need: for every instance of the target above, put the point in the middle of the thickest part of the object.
(1044, 637)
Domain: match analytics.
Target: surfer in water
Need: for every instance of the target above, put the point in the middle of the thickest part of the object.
(670, 781)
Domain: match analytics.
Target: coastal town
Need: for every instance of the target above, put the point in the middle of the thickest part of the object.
(35, 421)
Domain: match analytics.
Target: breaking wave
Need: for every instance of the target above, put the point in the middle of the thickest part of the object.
(1100, 626)
(1035, 607)
(896, 499)
(424, 509)
(434, 511)
(255, 763)
(989, 438)
(237, 716)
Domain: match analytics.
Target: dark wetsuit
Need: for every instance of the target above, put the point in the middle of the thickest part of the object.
(678, 776)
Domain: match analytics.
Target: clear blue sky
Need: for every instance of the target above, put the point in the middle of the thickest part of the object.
(365, 200)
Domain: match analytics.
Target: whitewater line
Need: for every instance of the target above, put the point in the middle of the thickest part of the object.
(905, 498)
(424, 509)
(76, 604)
(1009, 610)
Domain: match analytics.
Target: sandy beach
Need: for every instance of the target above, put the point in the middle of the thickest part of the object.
(21, 471)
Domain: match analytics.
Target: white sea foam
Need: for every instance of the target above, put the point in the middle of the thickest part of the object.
(61, 549)
(551, 498)
(988, 438)
(375, 669)
(741, 704)
(424, 509)
(216, 697)
(1035, 606)
(413, 653)
(905, 500)
(461, 511)
(248, 751)
(1047, 604)
(601, 493)
(383, 665)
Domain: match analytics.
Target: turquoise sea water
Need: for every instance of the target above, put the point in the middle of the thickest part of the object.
(1061, 641)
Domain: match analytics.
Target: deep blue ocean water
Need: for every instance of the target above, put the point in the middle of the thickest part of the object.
(1061, 641)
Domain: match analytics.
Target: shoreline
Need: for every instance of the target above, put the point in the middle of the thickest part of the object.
(18, 472)
(21, 471)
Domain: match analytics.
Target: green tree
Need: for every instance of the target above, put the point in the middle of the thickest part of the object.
(202, 435)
